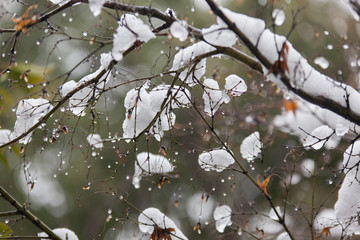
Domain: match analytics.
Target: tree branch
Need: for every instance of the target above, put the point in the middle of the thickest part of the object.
(23, 211)
(321, 101)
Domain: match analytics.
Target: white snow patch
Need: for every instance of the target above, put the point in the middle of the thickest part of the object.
(187, 55)
(4, 136)
(219, 34)
(178, 30)
(318, 137)
(95, 140)
(79, 101)
(222, 216)
(251, 146)
(215, 160)
(278, 16)
(307, 167)
(28, 113)
(322, 62)
(142, 107)
(152, 217)
(234, 85)
(213, 96)
(199, 207)
(348, 203)
(148, 163)
(63, 233)
(96, 6)
(130, 30)
(327, 219)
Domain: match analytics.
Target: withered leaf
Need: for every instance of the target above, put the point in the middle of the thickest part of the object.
(263, 185)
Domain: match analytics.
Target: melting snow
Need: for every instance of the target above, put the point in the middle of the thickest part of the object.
(4, 136)
(178, 30)
(129, 31)
(348, 203)
(318, 137)
(96, 6)
(151, 217)
(322, 62)
(222, 216)
(79, 101)
(28, 113)
(95, 140)
(279, 16)
(142, 107)
(187, 55)
(148, 163)
(251, 146)
(234, 85)
(215, 160)
(213, 96)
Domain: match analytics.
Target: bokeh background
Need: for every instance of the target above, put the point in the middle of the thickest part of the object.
(68, 183)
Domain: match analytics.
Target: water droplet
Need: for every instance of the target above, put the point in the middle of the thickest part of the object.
(84, 34)
(93, 154)
(192, 9)
(70, 19)
(38, 43)
(63, 14)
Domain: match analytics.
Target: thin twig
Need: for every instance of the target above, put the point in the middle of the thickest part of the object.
(25, 212)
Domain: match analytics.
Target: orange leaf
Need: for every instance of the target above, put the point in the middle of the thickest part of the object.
(326, 231)
(263, 185)
(290, 106)
(23, 22)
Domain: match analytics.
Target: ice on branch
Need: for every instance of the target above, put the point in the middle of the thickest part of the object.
(318, 137)
(80, 100)
(213, 96)
(251, 147)
(63, 233)
(219, 34)
(4, 136)
(215, 160)
(96, 6)
(130, 30)
(28, 113)
(148, 163)
(152, 221)
(284, 58)
(143, 106)
(222, 216)
(193, 70)
(234, 85)
(178, 30)
(348, 203)
(95, 140)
